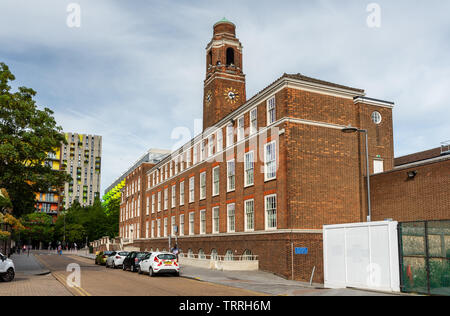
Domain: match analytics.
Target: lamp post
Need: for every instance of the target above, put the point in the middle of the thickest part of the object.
(348, 130)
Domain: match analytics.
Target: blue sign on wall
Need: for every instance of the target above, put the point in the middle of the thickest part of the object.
(301, 251)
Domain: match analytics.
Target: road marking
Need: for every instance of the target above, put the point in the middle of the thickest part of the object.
(63, 280)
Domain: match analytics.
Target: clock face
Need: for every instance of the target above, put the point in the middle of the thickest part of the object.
(231, 95)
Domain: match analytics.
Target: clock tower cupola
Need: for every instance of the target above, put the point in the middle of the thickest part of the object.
(224, 88)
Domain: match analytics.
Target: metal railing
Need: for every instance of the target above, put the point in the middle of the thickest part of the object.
(219, 258)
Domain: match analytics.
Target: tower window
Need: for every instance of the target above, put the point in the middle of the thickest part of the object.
(210, 58)
(230, 56)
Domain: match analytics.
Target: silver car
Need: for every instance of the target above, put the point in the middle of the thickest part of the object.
(116, 260)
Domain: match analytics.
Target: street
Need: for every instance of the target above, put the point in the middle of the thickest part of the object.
(99, 281)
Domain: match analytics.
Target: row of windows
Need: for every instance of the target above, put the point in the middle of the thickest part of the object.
(160, 200)
(212, 145)
(160, 227)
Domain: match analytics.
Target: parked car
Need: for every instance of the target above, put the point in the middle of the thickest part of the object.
(102, 256)
(116, 259)
(131, 261)
(7, 269)
(161, 263)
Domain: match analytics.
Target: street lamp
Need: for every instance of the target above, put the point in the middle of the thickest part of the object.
(348, 130)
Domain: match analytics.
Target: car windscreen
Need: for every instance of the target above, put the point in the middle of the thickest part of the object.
(141, 254)
(108, 253)
(166, 257)
(123, 253)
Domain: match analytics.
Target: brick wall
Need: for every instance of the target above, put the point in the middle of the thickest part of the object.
(426, 197)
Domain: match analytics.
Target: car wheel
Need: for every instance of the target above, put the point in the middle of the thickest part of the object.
(114, 265)
(139, 270)
(9, 276)
(151, 273)
(123, 268)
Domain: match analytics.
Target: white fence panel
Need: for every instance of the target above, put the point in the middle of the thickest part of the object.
(362, 255)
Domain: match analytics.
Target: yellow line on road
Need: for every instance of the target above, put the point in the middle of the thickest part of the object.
(63, 280)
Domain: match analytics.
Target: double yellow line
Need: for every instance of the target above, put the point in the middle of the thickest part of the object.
(79, 291)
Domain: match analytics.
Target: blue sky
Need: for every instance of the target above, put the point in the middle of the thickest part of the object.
(134, 70)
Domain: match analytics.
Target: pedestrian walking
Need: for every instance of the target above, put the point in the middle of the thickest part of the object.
(175, 250)
(59, 250)
(29, 248)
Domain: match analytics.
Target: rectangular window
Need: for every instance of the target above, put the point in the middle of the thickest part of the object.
(146, 229)
(210, 146)
(249, 168)
(270, 161)
(174, 225)
(203, 185)
(174, 197)
(182, 193)
(203, 150)
(253, 121)
(216, 179)
(231, 218)
(271, 111)
(188, 158)
(165, 226)
(195, 154)
(230, 175)
(203, 222)
(240, 130)
(219, 141)
(182, 225)
(148, 205)
(153, 203)
(215, 217)
(191, 189)
(166, 198)
(153, 229)
(191, 223)
(159, 201)
(159, 228)
(249, 210)
(230, 135)
(176, 165)
(271, 211)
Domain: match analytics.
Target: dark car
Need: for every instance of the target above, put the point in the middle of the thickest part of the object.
(131, 261)
(102, 256)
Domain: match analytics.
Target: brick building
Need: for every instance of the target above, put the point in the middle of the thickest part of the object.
(266, 173)
(417, 189)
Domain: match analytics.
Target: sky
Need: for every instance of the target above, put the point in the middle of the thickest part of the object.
(133, 71)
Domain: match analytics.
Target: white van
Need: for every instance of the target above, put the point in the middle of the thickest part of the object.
(7, 270)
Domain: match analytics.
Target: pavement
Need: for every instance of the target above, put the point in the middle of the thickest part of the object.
(28, 265)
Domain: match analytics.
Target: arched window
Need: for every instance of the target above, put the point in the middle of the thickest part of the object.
(229, 255)
(214, 255)
(201, 254)
(230, 56)
(247, 255)
(210, 58)
(190, 253)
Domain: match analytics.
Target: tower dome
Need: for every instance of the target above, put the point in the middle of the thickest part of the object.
(225, 26)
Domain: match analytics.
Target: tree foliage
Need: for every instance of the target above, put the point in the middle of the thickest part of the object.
(27, 135)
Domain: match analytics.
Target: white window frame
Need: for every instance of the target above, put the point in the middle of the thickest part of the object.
(153, 203)
(202, 184)
(159, 201)
(153, 229)
(148, 206)
(230, 135)
(166, 198)
(253, 121)
(166, 226)
(215, 189)
(210, 146)
(271, 108)
(240, 128)
(249, 161)
(181, 230)
(229, 188)
(266, 216)
(182, 193)
(192, 189)
(231, 225)
(219, 141)
(247, 203)
(173, 225)
(174, 196)
(195, 155)
(202, 222)
(158, 228)
(191, 223)
(266, 163)
(215, 220)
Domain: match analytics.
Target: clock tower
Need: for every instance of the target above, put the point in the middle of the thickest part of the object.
(224, 88)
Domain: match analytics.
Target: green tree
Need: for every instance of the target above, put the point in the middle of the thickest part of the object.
(39, 227)
(27, 135)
